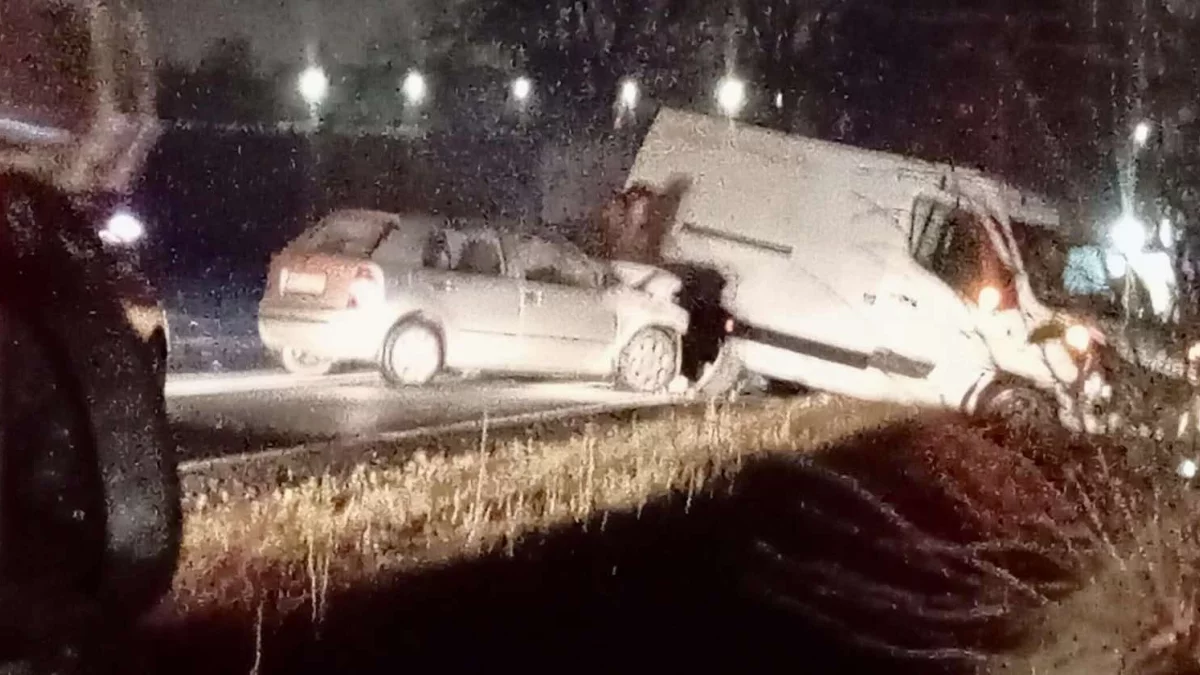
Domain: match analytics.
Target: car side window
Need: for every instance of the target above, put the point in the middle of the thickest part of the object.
(437, 254)
(396, 249)
(480, 256)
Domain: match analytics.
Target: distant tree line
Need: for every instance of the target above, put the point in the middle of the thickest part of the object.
(1013, 87)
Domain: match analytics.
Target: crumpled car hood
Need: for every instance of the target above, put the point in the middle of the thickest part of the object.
(655, 281)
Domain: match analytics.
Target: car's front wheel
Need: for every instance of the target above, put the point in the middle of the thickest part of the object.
(412, 354)
(298, 362)
(649, 361)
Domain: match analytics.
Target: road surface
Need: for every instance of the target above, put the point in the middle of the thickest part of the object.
(215, 415)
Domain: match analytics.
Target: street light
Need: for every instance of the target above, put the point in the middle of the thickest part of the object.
(414, 88)
(1166, 233)
(122, 228)
(1141, 133)
(1129, 235)
(314, 86)
(731, 95)
(629, 94)
(522, 89)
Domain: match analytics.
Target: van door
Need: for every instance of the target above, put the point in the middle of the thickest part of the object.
(931, 348)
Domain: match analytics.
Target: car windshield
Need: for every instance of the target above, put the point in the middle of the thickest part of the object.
(1067, 274)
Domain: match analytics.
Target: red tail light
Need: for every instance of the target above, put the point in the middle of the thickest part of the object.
(367, 289)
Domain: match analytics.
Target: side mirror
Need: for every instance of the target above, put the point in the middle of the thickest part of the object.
(1047, 332)
(1077, 337)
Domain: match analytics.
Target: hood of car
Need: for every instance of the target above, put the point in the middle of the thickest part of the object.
(655, 281)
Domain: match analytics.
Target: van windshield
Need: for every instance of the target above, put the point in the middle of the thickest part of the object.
(1067, 275)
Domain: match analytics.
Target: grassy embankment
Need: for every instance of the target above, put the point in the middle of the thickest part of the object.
(929, 539)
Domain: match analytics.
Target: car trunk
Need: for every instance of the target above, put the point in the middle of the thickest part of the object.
(332, 264)
(313, 280)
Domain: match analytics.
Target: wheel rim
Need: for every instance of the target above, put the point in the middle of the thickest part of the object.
(650, 362)
(414, 355)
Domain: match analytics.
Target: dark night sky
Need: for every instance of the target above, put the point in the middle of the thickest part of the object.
(279, 29)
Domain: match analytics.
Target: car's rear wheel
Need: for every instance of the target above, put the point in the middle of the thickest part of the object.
(298, 362)
(412, 354)
(649, 361)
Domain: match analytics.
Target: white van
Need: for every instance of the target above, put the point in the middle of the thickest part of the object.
(865, 273)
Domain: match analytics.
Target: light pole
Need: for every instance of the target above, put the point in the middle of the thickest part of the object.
(1141, 133)
(628, 96)
(521, 91)
(731, 95)
(414, 88)
(313, 85)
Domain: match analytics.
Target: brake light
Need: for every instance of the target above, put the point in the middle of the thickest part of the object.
(367, 289)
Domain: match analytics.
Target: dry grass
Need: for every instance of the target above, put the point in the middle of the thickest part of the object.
(293, 546)
(1137, 613)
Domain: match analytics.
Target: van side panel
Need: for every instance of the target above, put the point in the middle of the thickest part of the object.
(796, 226)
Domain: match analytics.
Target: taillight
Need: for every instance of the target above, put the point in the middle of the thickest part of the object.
(367, 289)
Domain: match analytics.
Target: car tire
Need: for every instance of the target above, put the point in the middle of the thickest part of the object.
(297, 362)
(1023, 406)
(649, 361)
(413, 354)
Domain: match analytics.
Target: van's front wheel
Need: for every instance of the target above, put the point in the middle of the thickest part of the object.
(1020, 405)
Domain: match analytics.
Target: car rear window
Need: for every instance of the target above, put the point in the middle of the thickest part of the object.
(355, 236)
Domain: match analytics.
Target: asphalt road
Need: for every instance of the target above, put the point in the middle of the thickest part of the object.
(215, 415)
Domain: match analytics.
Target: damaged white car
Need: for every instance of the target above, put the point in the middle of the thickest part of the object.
(421, 295)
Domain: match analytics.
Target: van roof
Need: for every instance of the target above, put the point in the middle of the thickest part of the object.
(676, 126)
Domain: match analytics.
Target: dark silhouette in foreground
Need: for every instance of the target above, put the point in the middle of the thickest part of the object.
(90, 512)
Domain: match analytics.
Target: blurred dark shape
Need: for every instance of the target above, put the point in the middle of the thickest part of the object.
(76, 93)
(225, 88)
(90, 519)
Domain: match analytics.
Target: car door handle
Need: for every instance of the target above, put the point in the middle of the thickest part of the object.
(533, 297)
